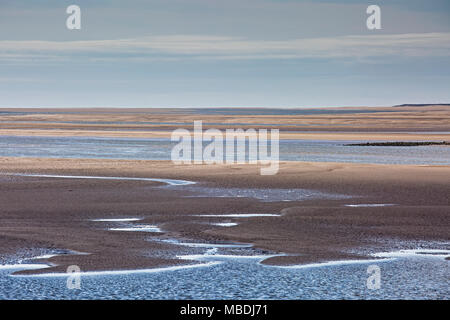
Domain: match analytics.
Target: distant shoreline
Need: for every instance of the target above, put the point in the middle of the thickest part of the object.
(401, 144)
(428, 123)
(422, 105)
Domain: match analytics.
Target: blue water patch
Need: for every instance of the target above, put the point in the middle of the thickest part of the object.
(218, 111)
(404, 278)
(262, 194)
(279, 111)
(160, 149)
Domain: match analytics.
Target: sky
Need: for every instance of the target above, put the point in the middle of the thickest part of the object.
(217, 53)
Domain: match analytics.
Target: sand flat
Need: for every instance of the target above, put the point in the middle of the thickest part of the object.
(363, 123)
(56, 213)
(339, 136)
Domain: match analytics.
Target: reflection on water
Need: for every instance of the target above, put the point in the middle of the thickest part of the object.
(369, 205)
(117, 220)
(170, 182)
(160, 149)
(141, 228)
(265, 195)
(238, 215)
(225, 224)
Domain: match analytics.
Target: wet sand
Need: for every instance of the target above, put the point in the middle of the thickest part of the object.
(53, 213)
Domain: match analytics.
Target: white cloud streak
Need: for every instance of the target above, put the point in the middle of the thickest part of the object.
(218, 47)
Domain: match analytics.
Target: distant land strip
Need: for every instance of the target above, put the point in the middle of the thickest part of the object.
(401, 144)
(423, 105)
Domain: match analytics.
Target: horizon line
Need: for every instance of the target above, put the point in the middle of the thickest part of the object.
(225, 107)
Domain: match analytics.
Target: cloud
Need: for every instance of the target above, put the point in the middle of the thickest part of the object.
(222, 47)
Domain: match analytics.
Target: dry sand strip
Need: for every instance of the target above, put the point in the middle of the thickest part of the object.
(166, 134)
(430, 123)
(42, 212)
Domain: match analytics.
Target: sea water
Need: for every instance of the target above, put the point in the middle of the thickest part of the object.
(160, 149)
(403, 278)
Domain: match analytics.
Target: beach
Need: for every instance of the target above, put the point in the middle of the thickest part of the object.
(96, 189)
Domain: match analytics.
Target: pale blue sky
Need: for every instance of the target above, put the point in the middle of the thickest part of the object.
(200, 53)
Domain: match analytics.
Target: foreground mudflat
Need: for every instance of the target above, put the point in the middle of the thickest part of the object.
(392, 207)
